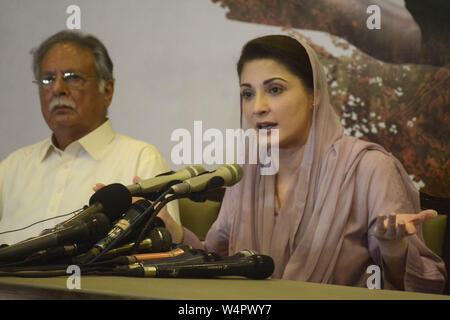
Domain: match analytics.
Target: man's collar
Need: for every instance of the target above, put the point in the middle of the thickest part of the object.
(46, 149)
(94, 142)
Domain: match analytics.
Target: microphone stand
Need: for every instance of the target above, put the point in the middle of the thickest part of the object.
(200, 196)
(152, 217)
(148, 211)
(151, 213)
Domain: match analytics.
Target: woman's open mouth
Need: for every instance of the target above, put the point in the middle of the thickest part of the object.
(266, 125)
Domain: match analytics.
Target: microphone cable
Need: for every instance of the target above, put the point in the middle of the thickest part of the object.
(40, 221)
(152, 217)
(194, 196)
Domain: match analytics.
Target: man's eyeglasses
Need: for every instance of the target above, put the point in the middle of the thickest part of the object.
(72, 79)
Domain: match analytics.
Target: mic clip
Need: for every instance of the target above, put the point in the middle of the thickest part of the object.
(215, 194)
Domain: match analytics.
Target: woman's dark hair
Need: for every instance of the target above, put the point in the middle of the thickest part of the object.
(283, 49)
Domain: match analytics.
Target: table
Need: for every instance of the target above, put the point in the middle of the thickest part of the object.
(225, 288)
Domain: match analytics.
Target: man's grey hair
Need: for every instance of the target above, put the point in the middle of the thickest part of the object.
(103, 63)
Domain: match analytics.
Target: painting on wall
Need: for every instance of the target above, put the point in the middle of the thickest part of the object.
(390, 83)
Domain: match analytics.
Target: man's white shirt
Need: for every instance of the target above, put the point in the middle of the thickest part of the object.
(40, 181)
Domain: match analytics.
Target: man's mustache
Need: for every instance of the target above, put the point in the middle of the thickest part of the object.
(60, 102)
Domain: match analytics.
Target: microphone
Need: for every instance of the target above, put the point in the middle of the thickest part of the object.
(135, 231)
(246, 263)
(163, 255)
(92, 229)
(163, 181)
(188, 256)
(112, 200)
(183, 252)
(59, 255)
(158, 240)
(226, 175)
(136, 263)
(120, 228)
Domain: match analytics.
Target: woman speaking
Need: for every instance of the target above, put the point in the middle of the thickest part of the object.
(336, 205)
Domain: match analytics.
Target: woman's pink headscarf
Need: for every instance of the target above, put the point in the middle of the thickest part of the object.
(306, 238)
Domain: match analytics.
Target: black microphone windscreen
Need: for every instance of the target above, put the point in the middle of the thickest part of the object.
(161, 239)
(157, 222)
(115, 199)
